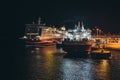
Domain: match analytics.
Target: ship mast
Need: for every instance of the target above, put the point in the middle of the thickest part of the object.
(39, 21)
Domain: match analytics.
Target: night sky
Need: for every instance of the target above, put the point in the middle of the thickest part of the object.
(105, 14)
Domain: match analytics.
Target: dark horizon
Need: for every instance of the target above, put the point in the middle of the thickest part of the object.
(97, 13)
(104, 14)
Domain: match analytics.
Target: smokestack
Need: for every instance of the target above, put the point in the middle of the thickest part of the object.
(78, 23)
(82, 23)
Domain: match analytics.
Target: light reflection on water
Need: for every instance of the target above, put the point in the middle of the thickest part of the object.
(79, 69)
(41, 64)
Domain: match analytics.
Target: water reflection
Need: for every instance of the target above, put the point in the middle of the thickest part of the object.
(101, 69)
(77, 69)
(41, 64)
(41, 50)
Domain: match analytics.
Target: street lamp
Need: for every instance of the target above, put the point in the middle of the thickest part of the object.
(97, 31)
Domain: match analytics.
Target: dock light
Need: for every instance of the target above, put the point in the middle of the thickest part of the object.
(63, 28)
(97, 31)
(57, 35)
(24, 37)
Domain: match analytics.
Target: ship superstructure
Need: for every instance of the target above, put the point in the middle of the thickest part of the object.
(33, 31)
(77, 40)
(78, 34)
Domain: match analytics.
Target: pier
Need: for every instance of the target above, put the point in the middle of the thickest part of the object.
(109, 42)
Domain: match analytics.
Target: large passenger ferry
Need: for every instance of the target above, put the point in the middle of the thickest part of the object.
(37, 34)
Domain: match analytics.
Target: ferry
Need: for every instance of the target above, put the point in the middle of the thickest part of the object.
(37, 34)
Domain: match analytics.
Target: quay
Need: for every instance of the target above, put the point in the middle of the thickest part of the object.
(108, 42)
(114, 46)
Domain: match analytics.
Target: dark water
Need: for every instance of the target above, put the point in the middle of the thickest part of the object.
(41, 64)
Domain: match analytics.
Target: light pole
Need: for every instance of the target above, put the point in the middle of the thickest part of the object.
(97, 31)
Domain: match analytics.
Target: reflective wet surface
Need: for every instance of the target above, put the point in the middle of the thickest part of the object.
(41, 64)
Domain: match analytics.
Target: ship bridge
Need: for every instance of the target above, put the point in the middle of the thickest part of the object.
(78, 33)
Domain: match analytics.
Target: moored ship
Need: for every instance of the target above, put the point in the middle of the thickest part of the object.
(77, 46)
(38, 34)
(77, 40)
(101, 53)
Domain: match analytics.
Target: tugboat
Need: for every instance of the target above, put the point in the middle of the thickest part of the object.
(77, 41)
(101, 54)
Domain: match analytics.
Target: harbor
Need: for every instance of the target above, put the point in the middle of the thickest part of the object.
(60, 40)
(49, 53)
(79, 38)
